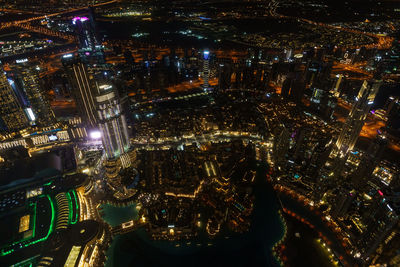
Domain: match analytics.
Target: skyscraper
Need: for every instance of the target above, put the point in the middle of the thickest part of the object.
(12, 117)
(357, 116)
(90, 48)
(82, 88)
(280, 145)
(311, 71)
(206, 69)
(32, 96)
(343, 203)
(393, 113)
(322, 101)
(379, 220)
(319, 157)
(369, 161)
(85, 31)
(293, 87)
(112, 124)
(336, 88)
(224, 76)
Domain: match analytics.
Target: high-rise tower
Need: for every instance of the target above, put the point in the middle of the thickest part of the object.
(336, 89)
(343, 202)
(393, 113)
(82, 88)
(31, 94)
(280, 145)
(380, 220)
(357, 116)
(206, 69)
(224, 74)
(90, 48)
(369, 161)
(12, 117)
(112, 124)
(293, 87)
(86, 33)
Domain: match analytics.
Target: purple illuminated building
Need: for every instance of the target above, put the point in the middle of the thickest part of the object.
(81, 19)
(86, 32)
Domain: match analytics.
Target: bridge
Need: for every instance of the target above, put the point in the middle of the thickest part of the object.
(127, 227)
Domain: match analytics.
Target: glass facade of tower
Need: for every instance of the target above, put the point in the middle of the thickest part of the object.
(85, 31)
(82, 88)
(90, 49)
(112, 123)
(206, 69)
(355, 121)
(31, 95)
(11, 114)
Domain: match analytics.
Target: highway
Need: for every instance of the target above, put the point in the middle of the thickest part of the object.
(383, 42)
(339, 67)
(19, 22)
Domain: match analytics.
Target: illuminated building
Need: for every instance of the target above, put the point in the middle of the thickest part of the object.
(388, 250)
(369, 161)
(32, 97)
(82, 88)
(85, 30)
(45, 206)
(247, 73)
(288, 54)
(280, 145)
(357, 116)
(79, 245)
(322, 101)
(343, 203)
(224, 75)
(320, 155)
(336, 89)
(90, 48)
(112, 123)
(317, 71)
(300, 146)
(206, 69)
(12, 117)
(379, 220)
(311, 72)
